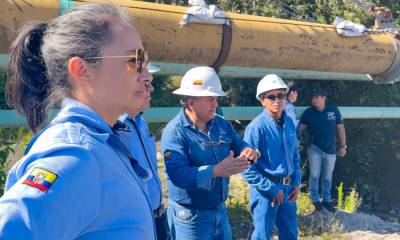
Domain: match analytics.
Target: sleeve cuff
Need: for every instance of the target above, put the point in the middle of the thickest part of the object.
(271, 192)
(258, 152)
(204, 177)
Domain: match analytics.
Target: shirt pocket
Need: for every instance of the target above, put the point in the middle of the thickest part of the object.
(224, 146)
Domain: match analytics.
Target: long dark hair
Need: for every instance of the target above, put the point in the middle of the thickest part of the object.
(37, 74)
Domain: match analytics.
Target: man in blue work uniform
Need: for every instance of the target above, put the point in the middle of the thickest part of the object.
(323, 122)
(275, 178)
(135, 134)
(199, 149)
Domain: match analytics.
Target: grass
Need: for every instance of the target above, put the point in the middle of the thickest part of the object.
(349, 203)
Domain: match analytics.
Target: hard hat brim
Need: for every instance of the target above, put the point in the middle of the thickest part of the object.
(201, 93)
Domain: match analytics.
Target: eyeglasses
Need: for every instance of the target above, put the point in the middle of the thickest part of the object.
(135, 63)
(273, 98)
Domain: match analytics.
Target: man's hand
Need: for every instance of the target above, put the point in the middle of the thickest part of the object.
(294, 194)
(230, 166)
(249, 154)
(342, 152)
(278, 199)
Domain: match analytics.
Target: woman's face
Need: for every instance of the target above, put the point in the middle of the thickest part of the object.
(117, 88)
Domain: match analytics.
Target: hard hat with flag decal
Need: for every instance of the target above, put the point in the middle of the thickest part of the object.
(200, 82)
(268, 83)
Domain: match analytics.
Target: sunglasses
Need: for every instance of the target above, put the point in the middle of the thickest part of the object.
(135, 63)
(273, 98)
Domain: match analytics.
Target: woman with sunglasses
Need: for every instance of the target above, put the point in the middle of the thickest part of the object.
(75, 180)
(275, 178)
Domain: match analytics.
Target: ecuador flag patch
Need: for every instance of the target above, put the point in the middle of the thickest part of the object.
(167, 155)
(41, 179)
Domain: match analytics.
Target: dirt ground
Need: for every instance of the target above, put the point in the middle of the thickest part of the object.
(357, 226)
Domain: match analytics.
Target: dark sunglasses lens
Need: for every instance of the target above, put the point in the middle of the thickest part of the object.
(280, 96)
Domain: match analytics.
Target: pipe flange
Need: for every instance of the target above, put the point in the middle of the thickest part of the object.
(392, 75)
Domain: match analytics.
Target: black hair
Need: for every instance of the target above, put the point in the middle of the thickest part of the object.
(37, 74)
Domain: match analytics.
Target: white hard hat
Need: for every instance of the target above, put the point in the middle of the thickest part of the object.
(268, 83)
(152, 69)
(200, 82)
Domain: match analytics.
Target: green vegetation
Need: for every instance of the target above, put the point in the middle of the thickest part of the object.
(240, 219)
(348, 203)
(5, 150)
(11, 139)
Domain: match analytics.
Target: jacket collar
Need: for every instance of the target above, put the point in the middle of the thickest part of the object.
(185, 121)
(71, 107)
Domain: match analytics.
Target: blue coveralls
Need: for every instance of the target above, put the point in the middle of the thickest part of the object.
(279, 157)
(73, 185)
(142, 145)
(197, 209)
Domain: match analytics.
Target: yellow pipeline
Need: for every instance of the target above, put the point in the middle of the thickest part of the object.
(258, 42)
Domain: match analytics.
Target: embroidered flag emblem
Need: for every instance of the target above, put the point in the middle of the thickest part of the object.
(41, 179)
(167, 155)
(198, 82)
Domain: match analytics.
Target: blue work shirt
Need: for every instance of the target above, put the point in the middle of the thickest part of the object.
(145, 154)
(279, 153)
(84, 190)
(190, 156)
(322, 126)
(291, 113)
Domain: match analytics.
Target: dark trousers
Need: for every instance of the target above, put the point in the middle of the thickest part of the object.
(162, 227)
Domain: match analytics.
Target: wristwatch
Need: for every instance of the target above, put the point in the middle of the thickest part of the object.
(343, 146)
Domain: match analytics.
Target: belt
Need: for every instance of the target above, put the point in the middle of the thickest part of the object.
(278, 179)
(159, 211)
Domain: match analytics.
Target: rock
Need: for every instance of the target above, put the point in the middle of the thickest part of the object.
(348, 222)
(380, 207)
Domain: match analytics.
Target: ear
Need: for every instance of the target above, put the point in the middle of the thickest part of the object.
(189, 103)
(262, 102)
(78, 69)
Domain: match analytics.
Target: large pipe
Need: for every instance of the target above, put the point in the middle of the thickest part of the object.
(257, 42)
(247, 72)
(10, 118)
